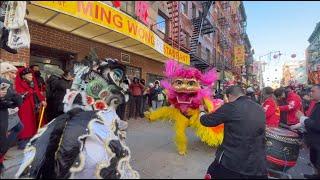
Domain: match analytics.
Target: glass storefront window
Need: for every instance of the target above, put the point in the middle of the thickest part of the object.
(151, 78)
(133, 72)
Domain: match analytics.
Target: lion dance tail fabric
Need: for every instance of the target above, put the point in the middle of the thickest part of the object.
(187, 89)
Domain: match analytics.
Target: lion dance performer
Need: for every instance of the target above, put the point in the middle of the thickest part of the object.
(188, 89)
(88, 140)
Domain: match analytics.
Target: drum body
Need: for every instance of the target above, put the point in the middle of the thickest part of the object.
(282, 148)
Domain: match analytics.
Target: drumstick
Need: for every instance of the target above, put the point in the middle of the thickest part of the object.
(41, 116)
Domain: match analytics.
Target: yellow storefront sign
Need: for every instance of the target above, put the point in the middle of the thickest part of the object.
(111, 18)
(172, 53)
(239, 55)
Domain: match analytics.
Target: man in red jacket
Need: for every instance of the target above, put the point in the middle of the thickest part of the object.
(294, 104)
(136, 90)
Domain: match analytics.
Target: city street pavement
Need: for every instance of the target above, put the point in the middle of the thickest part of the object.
(154, 154)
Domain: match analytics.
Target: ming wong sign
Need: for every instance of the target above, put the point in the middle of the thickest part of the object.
(111, 18)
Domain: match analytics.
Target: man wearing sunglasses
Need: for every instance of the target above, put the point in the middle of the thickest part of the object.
(242, 152)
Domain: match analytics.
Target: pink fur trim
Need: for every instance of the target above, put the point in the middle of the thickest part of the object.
(209, 77)
(175, 70)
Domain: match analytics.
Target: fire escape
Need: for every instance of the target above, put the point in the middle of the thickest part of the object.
(201, 26)
(175, 35)
(224, 41)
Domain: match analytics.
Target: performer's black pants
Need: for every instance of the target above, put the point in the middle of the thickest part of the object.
(315, 157)
(121, 110)
(217, 171)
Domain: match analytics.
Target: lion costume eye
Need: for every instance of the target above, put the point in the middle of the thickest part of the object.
(178, 82)
(192, 83)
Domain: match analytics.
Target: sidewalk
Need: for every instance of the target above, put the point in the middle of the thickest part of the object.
(154, 154)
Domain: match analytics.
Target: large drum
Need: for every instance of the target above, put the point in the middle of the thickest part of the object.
(282, 148)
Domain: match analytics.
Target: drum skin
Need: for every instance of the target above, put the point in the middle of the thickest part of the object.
(282, 148)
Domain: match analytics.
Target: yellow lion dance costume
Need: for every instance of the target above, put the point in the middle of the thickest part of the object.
(187, 89)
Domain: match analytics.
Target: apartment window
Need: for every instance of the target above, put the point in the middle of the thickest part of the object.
(199, 49)
(214, 60)
(128, 7)
(185, 38)
(184, 7)
(194, 11)
(208, 54)
(132, 72)
(161, 23)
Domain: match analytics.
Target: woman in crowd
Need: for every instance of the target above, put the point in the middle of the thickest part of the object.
(271, 107)
(157, 96)
(9, 101)
(33, 99)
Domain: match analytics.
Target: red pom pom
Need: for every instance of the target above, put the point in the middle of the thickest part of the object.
(100, 105)
(90, 100)
(207, 176)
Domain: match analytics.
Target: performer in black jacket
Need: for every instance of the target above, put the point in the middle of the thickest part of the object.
(312, 127)
(242, 153)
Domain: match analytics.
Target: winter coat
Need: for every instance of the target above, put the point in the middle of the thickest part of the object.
(154, 93)
(243, 147)
(272, 112)
(28, 110)
(294, 105)
(311, 106)
(312, 125)
(57, 88)
(136, 89)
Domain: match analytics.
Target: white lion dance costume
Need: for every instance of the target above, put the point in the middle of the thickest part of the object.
(187, 89)
(88, 140)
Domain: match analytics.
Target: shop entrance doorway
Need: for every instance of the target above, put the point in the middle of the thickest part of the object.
(42, 55)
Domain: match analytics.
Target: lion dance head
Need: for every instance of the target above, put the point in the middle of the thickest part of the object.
(187, 87)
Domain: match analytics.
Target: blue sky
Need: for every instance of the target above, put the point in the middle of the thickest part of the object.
(281, 25)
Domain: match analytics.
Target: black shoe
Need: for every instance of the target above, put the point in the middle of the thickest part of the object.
(311, 176)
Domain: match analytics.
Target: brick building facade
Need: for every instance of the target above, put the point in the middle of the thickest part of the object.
(206, 30)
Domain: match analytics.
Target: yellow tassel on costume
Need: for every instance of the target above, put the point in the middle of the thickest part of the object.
(208, 104)
(212, 136)
(181, 123)
(206, 134)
